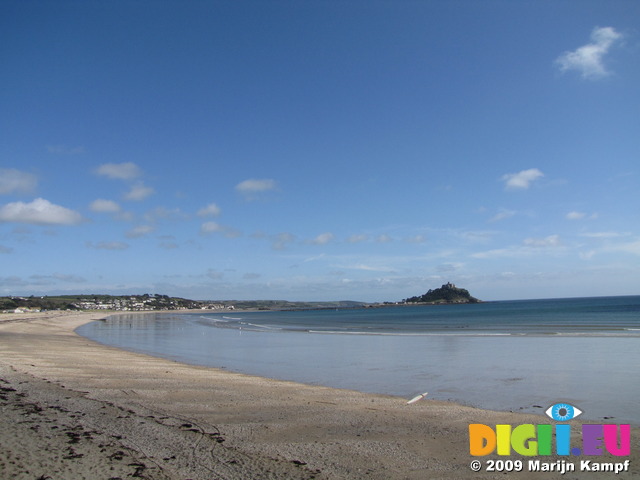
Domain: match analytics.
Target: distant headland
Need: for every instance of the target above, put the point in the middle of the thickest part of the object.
(446, 294)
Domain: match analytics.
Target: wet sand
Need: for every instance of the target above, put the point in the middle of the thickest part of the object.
(74, 409)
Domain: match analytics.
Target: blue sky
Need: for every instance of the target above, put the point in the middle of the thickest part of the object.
(320, 150)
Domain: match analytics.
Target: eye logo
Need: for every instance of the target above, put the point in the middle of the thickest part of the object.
(563, 412)
(532, 440)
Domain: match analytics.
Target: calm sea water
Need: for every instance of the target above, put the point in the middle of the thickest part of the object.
(515, 355)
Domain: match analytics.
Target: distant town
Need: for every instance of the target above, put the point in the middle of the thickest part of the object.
(152, 302)
(446, 294)
(124, 303)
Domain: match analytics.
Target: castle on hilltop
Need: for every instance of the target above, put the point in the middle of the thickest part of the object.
(447, 293)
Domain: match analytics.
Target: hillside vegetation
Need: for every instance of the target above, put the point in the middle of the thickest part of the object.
(447, 293)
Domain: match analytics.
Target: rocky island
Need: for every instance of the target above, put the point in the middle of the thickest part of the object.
(446, 294)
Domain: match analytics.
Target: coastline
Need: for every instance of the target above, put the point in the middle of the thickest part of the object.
(74, 408)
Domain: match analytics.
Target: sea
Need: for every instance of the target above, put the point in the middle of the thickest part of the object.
(520, 356)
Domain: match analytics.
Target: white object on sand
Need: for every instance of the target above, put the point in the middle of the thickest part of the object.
(419, 397)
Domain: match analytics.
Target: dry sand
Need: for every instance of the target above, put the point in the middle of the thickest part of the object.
(74, 409)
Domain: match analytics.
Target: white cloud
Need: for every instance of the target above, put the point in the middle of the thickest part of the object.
(212, 227)
(588, 59)
(503, 214)
(39, 212)
(603, 235)
(108, 245)
(550, 241)
(575, 215)
(580, 215)
(417, 239)
(125, 216)
(522, 179)
(629, 247)
(358, 238)
(384, 238)
(477, 236)
(530, 246)
(162, 213)
(322, 239)
(230, 232)
(104, 206)
(139, 192)
(254, 186)
(315, 258)
(119, 171)
(611, 245)
(508, 252)
(211, 210)
(15, 181)
(367, 268)
(126, 171)
(140, 231)
(282, 240)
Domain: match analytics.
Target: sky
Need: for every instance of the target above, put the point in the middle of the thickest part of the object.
(320, 150)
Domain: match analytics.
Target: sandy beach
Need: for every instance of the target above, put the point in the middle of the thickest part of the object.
(75, 409)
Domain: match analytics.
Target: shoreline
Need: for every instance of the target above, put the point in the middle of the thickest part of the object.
(73, 407)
